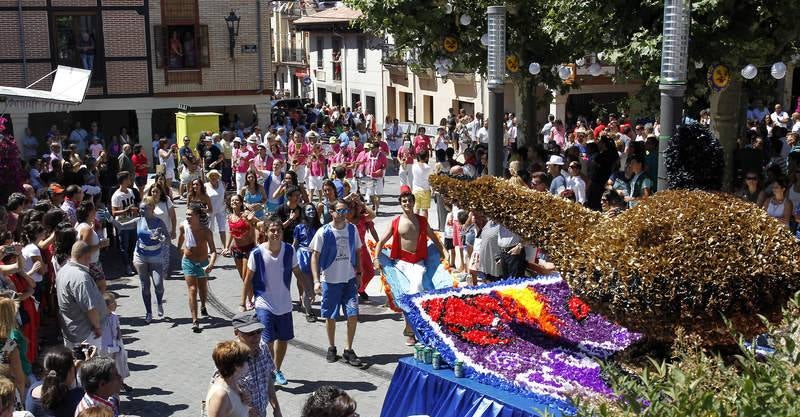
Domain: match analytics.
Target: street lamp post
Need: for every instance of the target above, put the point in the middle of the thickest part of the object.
(674, 59)
(233, 29)
(495, 72)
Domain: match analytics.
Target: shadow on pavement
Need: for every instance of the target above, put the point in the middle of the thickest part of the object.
(135, 367)
(366, 318)
(135, 353)
(142, 407)
(205, 322)
(382, 359)
(307, 387)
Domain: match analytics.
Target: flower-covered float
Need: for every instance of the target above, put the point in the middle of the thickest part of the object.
(528, 336)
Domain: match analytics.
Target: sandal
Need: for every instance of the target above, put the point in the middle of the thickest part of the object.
(196, 327)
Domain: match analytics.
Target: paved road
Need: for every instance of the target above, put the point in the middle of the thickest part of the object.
(171, 366)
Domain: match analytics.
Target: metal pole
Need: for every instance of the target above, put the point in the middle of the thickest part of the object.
(495, 119)
(495, 72)
(674, 59)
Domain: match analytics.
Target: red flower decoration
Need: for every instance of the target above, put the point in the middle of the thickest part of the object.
(475, 319)
(578, 308)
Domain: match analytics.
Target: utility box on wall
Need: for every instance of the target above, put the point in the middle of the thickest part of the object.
(193, 124)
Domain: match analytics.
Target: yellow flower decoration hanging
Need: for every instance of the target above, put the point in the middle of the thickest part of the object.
(512, 63)
(450, 44)
(719, 77)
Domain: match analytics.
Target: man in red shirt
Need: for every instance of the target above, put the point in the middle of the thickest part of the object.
(599, 127)
(422, 142)
(140, 167)
(372, 167)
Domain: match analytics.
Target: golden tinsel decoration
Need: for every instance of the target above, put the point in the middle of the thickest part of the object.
(678, 259)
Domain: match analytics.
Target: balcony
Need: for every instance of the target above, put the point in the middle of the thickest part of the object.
(293, 55)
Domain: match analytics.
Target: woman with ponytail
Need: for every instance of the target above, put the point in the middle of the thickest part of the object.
(57, 395)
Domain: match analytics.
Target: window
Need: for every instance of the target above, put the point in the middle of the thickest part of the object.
(320, 49)
(362, 53)
(78, 43)
(181, 42)
(336, 58)
(427, 107)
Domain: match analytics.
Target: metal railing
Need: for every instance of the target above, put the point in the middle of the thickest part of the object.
(293, 54)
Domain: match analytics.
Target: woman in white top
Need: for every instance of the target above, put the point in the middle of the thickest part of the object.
(165, 208)
(224, 399)
(575, 182)
(166, 158)
(215, 189)
(32, 234)
(779, 206)
(86, 232)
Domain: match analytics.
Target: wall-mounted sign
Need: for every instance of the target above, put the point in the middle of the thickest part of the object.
(184, 107)
(249, 49)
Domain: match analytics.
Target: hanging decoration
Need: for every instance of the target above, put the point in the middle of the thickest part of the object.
(564, 72)
(595, 69)
(465, 19)
(580, 62)
(698, 64)
(485, 40)
(450, 44)
(719, 77)
(778, 70)
(512, 63)
(448, 8)
(749, 72)
(534, 68)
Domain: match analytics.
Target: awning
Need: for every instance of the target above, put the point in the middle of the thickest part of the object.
(69, 89)
(333, 88)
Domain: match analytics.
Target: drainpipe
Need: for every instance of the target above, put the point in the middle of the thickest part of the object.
(22, 43)
(259, 48)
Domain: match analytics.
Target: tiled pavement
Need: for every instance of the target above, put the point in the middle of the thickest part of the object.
(171, 366)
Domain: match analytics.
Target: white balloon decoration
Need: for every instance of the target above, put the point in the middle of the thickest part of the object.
(580, 62)
(485, 39)
(595, 69)
(564, 72)
(534, 68)
(698, 64)
(465, 19)
(601, 55)
(749, 71)
(778, 70)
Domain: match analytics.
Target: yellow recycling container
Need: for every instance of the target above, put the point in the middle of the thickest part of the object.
(192, 124)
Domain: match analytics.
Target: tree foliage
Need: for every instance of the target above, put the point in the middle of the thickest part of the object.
(626, 32)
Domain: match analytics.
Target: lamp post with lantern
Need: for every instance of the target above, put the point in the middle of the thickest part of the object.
(495, 73)
(232, 21)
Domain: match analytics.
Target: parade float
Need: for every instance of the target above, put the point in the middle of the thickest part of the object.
(690, 262)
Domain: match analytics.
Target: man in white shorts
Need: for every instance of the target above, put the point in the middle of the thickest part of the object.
(372, 168)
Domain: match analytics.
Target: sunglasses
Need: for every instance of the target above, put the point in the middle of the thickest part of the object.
(343, 211)
(253, 333)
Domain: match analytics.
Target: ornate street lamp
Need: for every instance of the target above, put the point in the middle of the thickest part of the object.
(674, 60)
(233, 29)
(496, 72)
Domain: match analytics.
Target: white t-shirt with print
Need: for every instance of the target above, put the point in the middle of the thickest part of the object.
(28, 252)
(341, 270)
(277, 295)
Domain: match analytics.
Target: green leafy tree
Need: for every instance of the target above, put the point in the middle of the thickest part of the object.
(626, 33)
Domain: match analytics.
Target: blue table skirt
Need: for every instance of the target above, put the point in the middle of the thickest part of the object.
(418, 389)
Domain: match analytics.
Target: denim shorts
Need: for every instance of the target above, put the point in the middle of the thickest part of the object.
(339, 295)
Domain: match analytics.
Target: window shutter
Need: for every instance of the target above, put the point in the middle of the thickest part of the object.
(202, 41)
(160, 48)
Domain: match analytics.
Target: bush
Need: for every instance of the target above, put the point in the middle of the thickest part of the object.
(701, 383)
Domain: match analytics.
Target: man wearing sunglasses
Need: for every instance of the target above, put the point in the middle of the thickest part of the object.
(334, 266)
(258, 383)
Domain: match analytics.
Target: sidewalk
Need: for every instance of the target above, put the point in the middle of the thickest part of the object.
(171, 366)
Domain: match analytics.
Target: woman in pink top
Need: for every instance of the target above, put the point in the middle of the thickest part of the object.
(317, 172)
(558, 134)
(242, 161)
(298, 153)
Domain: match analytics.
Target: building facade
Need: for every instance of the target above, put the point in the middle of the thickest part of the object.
(289, 56)
(147, 57)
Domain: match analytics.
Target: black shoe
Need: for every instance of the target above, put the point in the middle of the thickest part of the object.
(311, 318)
(203, 311)
(350, 357)
(196, 327)
(363, 297)
(331, 356)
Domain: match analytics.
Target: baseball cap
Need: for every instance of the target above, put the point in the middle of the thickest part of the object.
(404, 189)
(246, 322)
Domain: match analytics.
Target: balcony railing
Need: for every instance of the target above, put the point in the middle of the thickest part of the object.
(293, 54)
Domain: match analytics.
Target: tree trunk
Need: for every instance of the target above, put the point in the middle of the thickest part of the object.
(726, 113)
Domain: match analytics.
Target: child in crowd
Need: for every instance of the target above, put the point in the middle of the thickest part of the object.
(113, 346)
(458, 238)
(96, 148)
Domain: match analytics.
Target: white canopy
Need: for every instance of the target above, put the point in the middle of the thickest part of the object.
(69, 88)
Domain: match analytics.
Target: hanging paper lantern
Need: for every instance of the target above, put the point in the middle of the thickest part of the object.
(564, 72)
(512, 63)
(534, 68)
(601, 55)
(718, 77)
(448, 8)
(450, 44)
(595, 69)
(465, 19)
(485, 39)
(778, 70)
(749, 71)
(580, 62)
(698, 64)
